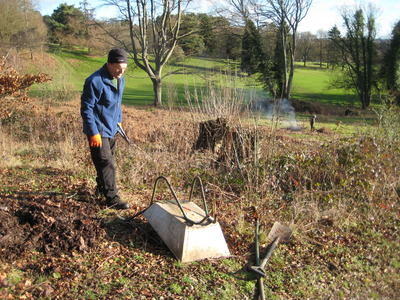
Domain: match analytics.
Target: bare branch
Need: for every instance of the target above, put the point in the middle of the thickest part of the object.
(154, 32)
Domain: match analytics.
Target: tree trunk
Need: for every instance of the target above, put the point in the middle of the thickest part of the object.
(292, 61)
(290, 78)
(285, 63)
(157, 88)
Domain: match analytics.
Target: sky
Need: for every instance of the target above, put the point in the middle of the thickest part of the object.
(323, 14)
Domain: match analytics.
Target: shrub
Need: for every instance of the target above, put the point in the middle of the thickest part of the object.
(15, 85)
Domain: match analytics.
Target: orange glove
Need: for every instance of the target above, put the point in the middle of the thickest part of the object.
(95, 141)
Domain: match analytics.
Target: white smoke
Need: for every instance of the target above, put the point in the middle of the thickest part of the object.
(281, 110)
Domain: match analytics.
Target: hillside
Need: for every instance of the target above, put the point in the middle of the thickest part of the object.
(70, 68)
(337, 188)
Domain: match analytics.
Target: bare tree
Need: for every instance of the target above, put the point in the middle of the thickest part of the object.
(236, 11)
(358, 50)
(305, 40)
(287, 15)
(88, 23)
(10, 21)
(154, 32)
(322, 41)
(21, 26)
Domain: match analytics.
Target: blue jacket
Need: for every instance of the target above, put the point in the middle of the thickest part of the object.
(101, 104)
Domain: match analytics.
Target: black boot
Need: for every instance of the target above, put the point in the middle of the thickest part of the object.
(117, 203)
(99, 191)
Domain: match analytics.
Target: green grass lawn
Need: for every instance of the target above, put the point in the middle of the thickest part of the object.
(310, 83)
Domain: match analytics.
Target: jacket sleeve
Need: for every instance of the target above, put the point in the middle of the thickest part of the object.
(89, 98)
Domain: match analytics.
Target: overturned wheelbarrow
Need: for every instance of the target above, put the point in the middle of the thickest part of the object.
(188, 231)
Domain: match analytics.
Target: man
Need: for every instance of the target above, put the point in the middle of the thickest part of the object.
(312, 122)
(101, 113)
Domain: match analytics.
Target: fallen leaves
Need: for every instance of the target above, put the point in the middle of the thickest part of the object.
(85, 255)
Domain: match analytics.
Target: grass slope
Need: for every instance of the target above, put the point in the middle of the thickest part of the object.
(339, 190)
(339, 193)
(310, 83)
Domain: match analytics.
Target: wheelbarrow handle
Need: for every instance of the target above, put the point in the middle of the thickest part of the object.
(261, 291)
(190, 222)
(268, 255)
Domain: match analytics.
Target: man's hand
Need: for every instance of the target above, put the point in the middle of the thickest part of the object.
(95, 141)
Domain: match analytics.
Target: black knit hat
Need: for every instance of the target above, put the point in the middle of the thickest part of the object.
(117, 55)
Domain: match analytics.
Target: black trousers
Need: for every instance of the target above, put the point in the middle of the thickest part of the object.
(104, 162)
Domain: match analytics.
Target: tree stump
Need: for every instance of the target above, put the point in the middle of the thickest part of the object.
(230, 144)
(211, 135)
